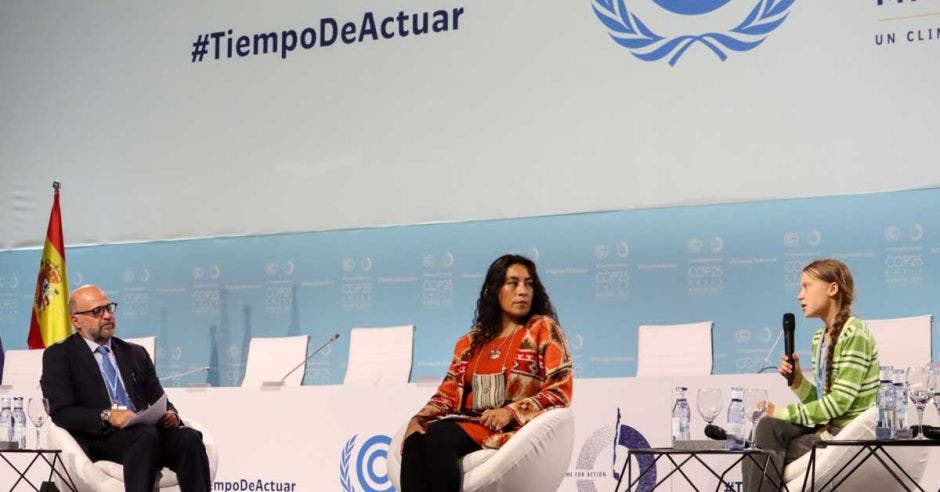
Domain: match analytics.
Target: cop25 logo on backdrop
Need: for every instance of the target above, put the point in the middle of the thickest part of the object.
(649, 42)
(368, 465)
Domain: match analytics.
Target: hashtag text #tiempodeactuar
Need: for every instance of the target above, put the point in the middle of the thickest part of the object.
(226, 45)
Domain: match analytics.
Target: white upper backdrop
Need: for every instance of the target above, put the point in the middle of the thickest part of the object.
(526, 108)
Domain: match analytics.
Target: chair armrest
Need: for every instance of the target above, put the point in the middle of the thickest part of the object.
(208, 440)
(82, 470)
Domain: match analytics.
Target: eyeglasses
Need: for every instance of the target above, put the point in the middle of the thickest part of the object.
(99, 311)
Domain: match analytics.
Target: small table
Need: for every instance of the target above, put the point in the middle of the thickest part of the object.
(39, 453)
(752, 454)
(867, 449)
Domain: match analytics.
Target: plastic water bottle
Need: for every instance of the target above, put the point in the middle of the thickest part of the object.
(884, 429)
(901, 431)
(735, 425)
(19, 422)
(6, 420)
(680, 416)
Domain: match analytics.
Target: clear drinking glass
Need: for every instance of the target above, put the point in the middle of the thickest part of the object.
(934, 385)
(38, 411)
(918, 389)
(708, 401)
(755, 409)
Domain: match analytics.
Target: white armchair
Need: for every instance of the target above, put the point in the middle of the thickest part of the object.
(379, 355)
(902, 342)
(871, 475)
(108, 476)
(535, 459)
(148, 343)
(674, 350)
(22, 369)
(269, 359)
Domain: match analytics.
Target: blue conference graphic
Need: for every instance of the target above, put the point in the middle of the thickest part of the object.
(367, 470)
(648, 41)
(591, 476)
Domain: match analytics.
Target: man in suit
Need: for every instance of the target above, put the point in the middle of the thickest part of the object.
(96, 382)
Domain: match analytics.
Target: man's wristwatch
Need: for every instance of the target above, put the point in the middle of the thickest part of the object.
(105, 415)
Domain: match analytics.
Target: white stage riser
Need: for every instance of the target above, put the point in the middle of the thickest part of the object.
(317, 437)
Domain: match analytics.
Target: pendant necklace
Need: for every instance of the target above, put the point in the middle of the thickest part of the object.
(496, 352)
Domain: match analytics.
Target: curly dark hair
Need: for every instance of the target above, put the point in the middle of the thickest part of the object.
(488, 318)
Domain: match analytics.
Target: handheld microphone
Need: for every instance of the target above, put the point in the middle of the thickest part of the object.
(280, 382)
(715, 432)
(789, 325)
(931, 432)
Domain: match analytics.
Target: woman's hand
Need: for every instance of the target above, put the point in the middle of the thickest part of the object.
(786, 369)
(415, 425)
(496, 418)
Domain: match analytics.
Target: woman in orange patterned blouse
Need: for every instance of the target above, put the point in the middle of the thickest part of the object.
(513, 365)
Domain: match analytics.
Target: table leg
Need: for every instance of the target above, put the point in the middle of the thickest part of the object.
(896, 477)
(779, 474)
(629, 472)
(22, 473)
(639, 478)
(847, 464)
(812, 461)
(812, 486)
(626, 469)
(678, 468)
(57, 458)
(721, 478)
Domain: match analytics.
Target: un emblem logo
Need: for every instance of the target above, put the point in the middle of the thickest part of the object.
(691, 7)
(368, 466)
(647, 43)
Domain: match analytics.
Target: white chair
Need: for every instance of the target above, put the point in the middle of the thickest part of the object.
(674, 350)
(535, 459)
(22, 369)
(379, 355)
(902, 342)
(108, 476)
(871, 475)
(148, 343)
(269, 359)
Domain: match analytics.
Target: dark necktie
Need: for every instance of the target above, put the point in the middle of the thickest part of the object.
(111, 379)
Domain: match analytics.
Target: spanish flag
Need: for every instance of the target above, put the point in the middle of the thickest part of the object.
(50, 320)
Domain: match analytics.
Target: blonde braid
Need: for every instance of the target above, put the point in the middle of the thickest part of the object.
(841, 317)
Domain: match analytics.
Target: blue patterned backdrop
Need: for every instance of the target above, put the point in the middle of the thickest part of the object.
(607, 273)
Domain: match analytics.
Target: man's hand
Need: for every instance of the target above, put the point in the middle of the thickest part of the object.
(170, 420)
(496, 418)
(119, 417)
(786, 369)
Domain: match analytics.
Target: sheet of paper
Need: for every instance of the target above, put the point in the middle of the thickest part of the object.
(151, 415)
(459, 417)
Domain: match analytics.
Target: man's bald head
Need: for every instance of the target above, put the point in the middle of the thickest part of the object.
(82, 303)
(81, 293)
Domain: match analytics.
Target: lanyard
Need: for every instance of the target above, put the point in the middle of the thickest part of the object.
(821, 365)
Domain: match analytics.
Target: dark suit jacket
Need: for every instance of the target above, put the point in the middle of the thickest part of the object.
(76, 390)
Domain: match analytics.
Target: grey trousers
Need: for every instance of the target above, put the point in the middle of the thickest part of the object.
(786, 442)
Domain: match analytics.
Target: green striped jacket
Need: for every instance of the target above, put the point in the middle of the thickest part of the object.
(855, 380)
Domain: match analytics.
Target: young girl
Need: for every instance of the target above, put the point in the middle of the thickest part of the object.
(845, 371)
